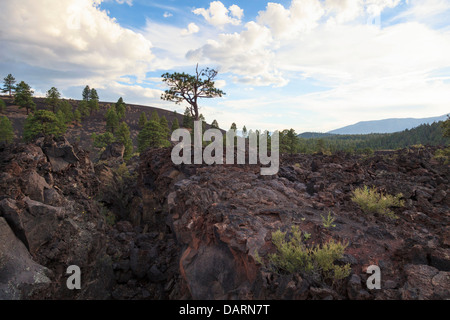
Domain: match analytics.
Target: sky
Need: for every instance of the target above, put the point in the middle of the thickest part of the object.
(310, 65)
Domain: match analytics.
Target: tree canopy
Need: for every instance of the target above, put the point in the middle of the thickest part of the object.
(24, 97)
(121, 108)
(112, 120)
(189, 88)
(123, 136)
(152, 135)
(86, 93)
(2, 106)
(42, 122)
(52, 98)
(6, 130)
(9, 82)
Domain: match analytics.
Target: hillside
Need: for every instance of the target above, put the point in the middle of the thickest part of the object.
(95, 123)
(386, 125)
(425, 134)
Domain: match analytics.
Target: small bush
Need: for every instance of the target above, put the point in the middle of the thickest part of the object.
(2, 106)
(443, 155)
(110, 218)
(372, 201)
(328, 221)
(293, 256)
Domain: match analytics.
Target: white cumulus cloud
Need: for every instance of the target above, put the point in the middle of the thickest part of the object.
(191, 29)
(218, 15)
(70, 41)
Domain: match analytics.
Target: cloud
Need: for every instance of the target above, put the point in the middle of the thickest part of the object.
(218, 15)
(345, 54)
(170, 44)
(167, 14)
(247, 55)
(236, 12)
(71, 39)
(330, 41)
(220, 84)
(128, 2)
(191, 29)
(430, 12)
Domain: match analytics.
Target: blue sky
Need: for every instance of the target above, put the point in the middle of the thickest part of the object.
(311, 65)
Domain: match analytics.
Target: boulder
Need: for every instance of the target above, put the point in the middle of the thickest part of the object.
(20, 276)
(113, 151)
(59, 152)
(34, 185)
(40, 222)
(426, 283)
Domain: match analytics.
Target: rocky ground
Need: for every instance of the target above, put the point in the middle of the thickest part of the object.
(154, 230)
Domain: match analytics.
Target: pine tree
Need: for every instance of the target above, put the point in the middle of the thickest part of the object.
(175, 125)
(123, 136)
(6, 130)
(52, 98)
(154, 116)
(142, 120)
(112, 121)
(9, 82)
(188, 120)
(42, 122)
(66, 108)
(152, 136)
(164, 126)
(77, 116)
(214, 124)
(446, 127)
(2, 106)
(291, 141)
(24, 97)
(102, 140)
(83, 108)
(93, 101)
(233, 126)
(191, 88)
(86, 93)
(61, 120)
(121, 108)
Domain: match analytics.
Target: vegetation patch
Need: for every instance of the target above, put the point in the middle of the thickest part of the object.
(294, 255)
(371, 200)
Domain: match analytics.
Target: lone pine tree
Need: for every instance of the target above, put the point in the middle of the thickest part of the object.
(190, 88)
(8, 84)
(24, 97)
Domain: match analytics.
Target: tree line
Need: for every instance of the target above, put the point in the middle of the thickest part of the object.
(154, 132)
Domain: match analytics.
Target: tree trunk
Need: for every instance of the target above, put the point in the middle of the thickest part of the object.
(196, 115)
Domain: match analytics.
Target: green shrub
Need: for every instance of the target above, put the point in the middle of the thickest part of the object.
(102, 140)
(6, 130)
(443, 155)
(294, 256)
(328, 221)
(372, 201)
(2, 106)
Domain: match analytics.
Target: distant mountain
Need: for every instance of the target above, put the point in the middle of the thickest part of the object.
(386, 126)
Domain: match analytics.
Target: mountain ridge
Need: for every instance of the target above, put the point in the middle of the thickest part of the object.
(390, 125)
